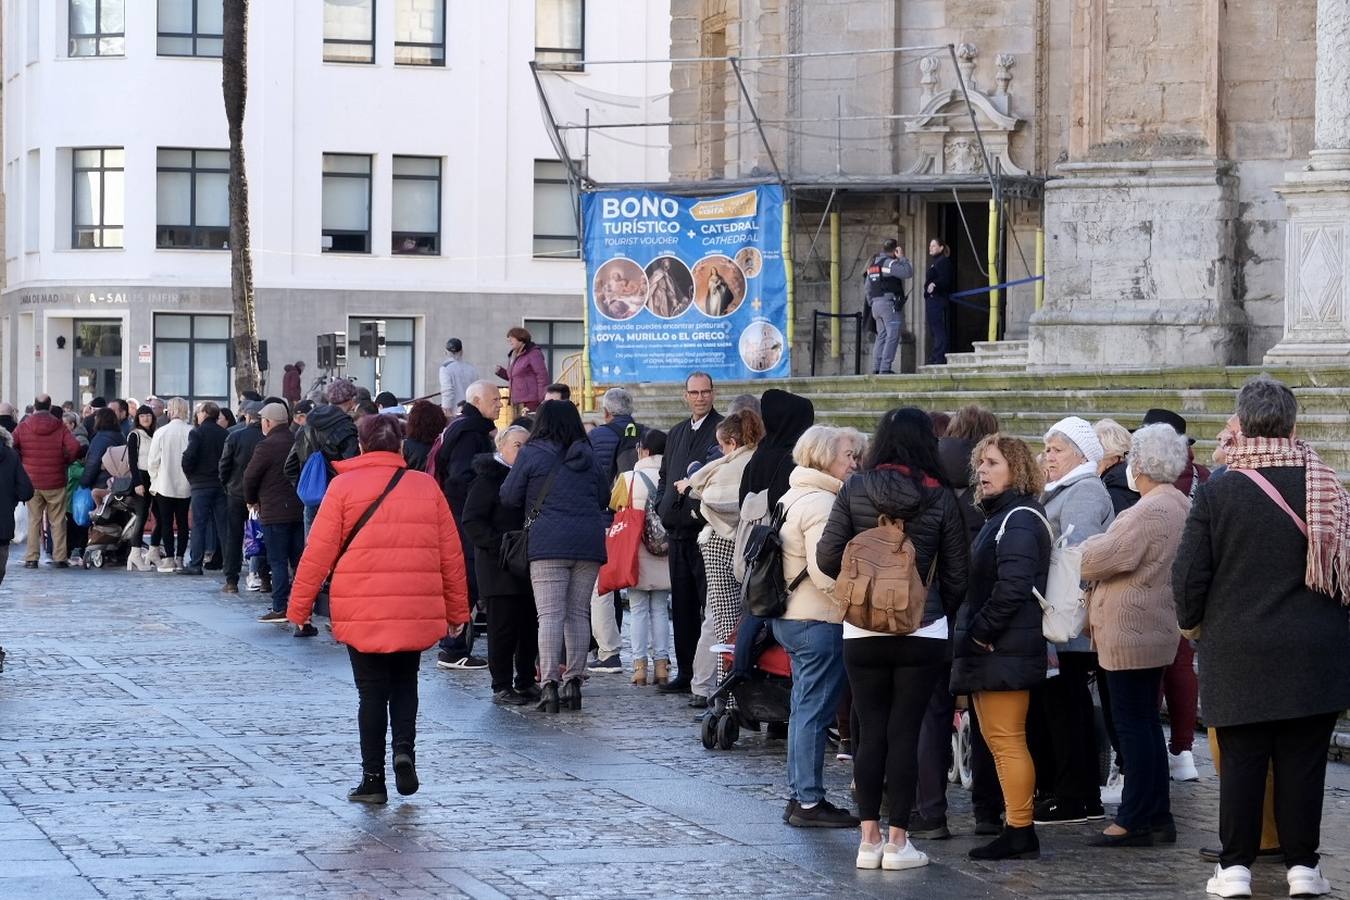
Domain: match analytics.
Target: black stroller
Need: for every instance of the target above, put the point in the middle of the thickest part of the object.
(765, 696)
(116, 524)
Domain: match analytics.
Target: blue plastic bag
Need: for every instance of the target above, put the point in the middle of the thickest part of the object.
(82, 506)
(313, 482)
(253, 537)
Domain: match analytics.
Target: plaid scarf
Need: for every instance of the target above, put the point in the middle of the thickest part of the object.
(1328, 507)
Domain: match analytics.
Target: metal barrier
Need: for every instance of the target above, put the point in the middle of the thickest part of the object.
(857, 317)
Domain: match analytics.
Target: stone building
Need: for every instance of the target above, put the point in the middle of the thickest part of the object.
(1152, 140)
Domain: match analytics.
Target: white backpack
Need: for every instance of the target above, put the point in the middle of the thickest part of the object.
(1063, 610)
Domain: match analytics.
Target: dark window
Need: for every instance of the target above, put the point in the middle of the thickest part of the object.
(419, 33)
(560, 33)
(417, 206)
(346, 203)
(555, 212)
(399, 366)
(193, 199)
(349, 31)
(191, 27)
(192, 357)
(560, 339)
(97, 28)
(97, 198)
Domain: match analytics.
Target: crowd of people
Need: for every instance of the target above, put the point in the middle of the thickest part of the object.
(401, 523)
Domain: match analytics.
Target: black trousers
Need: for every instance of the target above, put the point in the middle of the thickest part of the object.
(986, 794)
(513, 639)
(236, 514)
(387, 686)
(892, 680)
(1298, 750)
(688, 589)
(172, 513)
(1146, 801)
(1066, 747)
(935, 751)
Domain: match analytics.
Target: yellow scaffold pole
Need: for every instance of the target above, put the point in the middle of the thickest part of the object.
(836, 350)
(994, 310)
(1040, 267)
(787, 269)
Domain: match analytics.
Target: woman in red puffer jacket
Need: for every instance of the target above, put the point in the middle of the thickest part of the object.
(398, 589)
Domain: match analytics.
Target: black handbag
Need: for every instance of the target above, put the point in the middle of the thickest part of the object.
(515, 552)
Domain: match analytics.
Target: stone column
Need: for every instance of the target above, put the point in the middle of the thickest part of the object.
(1317, 239)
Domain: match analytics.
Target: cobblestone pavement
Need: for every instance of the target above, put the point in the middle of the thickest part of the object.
(155, 741)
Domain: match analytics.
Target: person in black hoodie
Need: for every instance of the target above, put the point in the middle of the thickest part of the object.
(468, 436)
(240, 443)
(894, 676)
(328, 429)
(15, 488)
(999, 651)
(691, 443)
(201, 465)
(512, 621)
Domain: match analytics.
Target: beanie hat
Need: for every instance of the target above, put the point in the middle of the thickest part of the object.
(341, 391)
(275, 412)
(1080, 433)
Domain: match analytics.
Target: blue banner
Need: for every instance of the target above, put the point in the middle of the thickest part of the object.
(678, 284)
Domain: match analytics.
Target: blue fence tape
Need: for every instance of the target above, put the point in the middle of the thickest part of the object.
(994, 287)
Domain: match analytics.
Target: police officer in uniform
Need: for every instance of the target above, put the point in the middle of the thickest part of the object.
(886, 297)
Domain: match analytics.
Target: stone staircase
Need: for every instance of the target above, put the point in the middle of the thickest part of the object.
(988, 356)
(1029, 403)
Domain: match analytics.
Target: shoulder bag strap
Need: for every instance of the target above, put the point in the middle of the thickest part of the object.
(1269, 489)
(1004, 524)
(543, 493)
(651, 488)
(366, 517)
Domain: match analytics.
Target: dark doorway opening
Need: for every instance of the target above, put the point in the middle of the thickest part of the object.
(967, 320)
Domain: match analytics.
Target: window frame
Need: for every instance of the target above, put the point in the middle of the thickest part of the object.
(98, 35)
(441, 45)
(346, 42)
(354, 345)
(192, 227)
(572, 201)
(103, 169)
(369, 176)
(439, 179)
(549, 347)
(196, 36)
(577, 65)
(192, 341)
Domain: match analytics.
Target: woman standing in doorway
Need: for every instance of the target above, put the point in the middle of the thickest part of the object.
(938, 285)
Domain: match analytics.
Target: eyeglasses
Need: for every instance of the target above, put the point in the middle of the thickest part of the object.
(707, 393)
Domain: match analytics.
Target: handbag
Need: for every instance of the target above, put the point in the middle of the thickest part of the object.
(1063, 609)
(622, 540)
(515, 552)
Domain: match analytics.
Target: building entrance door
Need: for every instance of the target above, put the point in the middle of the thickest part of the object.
(98, 359)
(967, 321)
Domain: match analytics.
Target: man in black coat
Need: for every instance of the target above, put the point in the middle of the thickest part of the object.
(328, 429)
(691, 443)
(15, 488)
(201, 465)
(280, 511)
(467, 436)
(240, 442)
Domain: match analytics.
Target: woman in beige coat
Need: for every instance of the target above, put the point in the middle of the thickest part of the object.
(1133, 622)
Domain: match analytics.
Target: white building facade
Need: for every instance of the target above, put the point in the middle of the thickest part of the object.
(398, 167)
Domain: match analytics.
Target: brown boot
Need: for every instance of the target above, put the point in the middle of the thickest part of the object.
(640, 671)
(662, 671)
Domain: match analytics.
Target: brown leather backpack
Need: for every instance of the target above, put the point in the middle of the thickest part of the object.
(879, 587)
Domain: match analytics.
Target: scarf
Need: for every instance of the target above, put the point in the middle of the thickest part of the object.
(1327, 513)
(1078, 473)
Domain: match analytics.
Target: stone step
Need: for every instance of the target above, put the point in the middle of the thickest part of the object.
(1001, 348)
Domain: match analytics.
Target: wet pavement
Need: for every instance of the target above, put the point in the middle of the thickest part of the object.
(157, 742)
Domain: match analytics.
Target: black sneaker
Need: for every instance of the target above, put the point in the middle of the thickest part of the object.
(30, 564)
(530, 691)
(789, 810)
(929, 829)
(405, 774)
(1052, 812)
(445, 661)
(845, 749)
(189, 570)
(823, 815)
(679, 686)
(610, 665)
(273, 617)
(508, 697)
(61, 564)
(698, 701)
(306, 630)
(1094, 810)
(230, 587)
(266, 586)
(370, 790)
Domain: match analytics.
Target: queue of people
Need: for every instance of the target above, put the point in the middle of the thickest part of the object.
(918, 565)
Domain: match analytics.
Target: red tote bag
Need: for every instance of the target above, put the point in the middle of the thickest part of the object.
(622, 541)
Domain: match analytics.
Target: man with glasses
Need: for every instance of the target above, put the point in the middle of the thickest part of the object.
(689, 445)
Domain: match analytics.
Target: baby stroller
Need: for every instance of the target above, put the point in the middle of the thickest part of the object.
(763, 696)
(116, 525)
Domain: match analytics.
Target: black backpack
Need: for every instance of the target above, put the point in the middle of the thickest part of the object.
(626, 451)
(764, 592)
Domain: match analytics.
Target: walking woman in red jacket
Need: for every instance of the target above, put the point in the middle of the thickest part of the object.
(398, 586)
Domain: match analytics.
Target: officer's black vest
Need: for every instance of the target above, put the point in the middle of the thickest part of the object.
(879, 283)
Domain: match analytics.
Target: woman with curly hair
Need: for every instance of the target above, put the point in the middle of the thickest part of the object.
(426, 421)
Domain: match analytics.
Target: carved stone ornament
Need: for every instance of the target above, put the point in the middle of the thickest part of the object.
(965, 55)
(1005, 62)
(929, 79)
(1320, 274)
(961, 156)
(947, 140)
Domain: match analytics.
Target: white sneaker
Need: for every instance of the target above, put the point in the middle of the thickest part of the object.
(165, 565)
(1234, 881)
(907, 857)
(253, 582)
(1114, 788)
(869, 855)
(1306, 882)
(1182, 766)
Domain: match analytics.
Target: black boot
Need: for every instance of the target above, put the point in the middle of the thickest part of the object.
(370, 790)
(571, 694)
(548, 699)
(1012, 843)
(405, 773)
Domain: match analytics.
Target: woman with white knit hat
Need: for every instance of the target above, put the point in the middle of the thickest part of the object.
(1078, 506)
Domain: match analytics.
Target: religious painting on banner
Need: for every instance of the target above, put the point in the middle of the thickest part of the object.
(678, 284)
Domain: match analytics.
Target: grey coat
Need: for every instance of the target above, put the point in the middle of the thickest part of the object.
(1270, 648)
(1085, 504)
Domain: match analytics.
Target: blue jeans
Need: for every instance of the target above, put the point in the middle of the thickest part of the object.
(1145, 802)
(649, 614)
(743, 661)
(886, 312)
(285, 543)
(209, 513)
(310, 513)
(817, 652)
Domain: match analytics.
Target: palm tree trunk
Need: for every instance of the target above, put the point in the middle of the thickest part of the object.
(234, 83)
